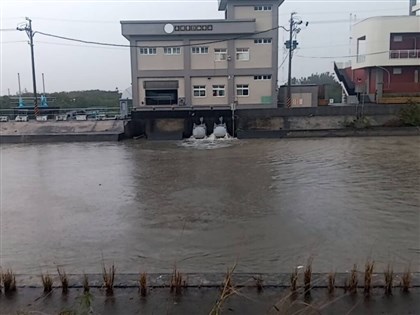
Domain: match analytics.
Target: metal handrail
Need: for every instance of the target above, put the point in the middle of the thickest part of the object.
(404, 54)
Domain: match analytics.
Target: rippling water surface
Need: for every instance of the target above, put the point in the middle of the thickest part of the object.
(267, 204)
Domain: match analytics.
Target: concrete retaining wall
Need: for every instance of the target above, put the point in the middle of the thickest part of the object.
(62, 131)
(322, 121)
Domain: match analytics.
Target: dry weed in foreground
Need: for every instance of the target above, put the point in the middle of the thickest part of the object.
(289, 305)
(389, 278)
(368, 277)
(177, 282)
(293, 280)
(227, 291)
(47, 282)
(308, 276)
(86, 288)
(108, 277)
(143, 284)
(406, 280)
(9, 281)
(259, 283)
(64, 280)
(331, 283)
(353, 280)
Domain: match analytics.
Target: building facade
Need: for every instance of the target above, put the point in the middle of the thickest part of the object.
(209, 63)
(386, 58)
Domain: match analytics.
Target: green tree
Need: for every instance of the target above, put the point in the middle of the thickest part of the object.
(332, 87)
(72, 99)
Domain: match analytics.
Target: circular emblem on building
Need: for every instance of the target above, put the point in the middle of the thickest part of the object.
(168, 28)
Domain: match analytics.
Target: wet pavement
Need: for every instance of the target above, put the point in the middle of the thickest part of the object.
(201, 301)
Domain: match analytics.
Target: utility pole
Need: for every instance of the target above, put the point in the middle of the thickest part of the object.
(291, 46)
(289, 77)
(28, 29)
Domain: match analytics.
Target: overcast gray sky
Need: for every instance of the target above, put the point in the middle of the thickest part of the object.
(72, 66)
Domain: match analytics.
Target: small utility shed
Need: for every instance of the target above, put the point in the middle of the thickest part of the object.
(304, 95)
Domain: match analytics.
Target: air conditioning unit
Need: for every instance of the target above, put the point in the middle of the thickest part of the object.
(181, 101)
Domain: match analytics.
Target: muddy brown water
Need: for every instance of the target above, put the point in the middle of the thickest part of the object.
(267, 204)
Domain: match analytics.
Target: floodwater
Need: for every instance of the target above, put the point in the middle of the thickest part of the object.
(266, 204)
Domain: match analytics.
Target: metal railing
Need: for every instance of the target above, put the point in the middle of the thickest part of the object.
(404, 54)
(360, 58)
(159, 100)
(92, 113)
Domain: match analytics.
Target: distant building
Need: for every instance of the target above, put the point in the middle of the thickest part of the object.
(303, 95)
(207, 62)
(386, 62)
(414, 7)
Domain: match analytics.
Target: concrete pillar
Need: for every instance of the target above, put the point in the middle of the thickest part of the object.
(187, 71)
(379, 82)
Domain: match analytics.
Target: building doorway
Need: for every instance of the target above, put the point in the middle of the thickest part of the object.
(161, 92)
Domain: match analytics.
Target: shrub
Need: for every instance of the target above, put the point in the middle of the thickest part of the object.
(410, 114)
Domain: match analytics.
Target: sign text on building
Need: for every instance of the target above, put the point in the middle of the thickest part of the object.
(193, 28)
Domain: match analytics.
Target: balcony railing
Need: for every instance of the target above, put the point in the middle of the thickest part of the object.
(360, 58)
(404, 54)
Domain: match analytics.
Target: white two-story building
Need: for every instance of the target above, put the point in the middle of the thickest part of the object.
(208, 63)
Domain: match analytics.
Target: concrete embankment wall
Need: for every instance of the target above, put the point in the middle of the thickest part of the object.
(61, 131)
(323, 121)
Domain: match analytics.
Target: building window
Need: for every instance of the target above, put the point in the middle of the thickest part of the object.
(220, 54)
(199, 90)
(219, 90)
(262, 8)
(262, 77)
(147, 51)
(242, 54)
(263, 41)
(397, 38)
(242, 90)
(396, 71)
(172, 50)
(200, 50)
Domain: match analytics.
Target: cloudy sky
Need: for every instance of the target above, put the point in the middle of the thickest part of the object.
(73, 66)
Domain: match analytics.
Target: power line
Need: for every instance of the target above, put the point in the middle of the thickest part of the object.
(160, 46)
(348, 12)
(348, 56)
(284, 60)
(75, 45)
(13, 42)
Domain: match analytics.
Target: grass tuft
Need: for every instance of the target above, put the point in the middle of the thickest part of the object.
(47, 282)
(294, 279)
(177, 282)
(9, 281)
(259, 283)
(406, 280)
(331, 283)
(308, 276)
(352, 286)
(108, 277)
(143, 284)
(86, 288)
(389, 278)
(368, 277)
(64, 280)
(227, 291)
